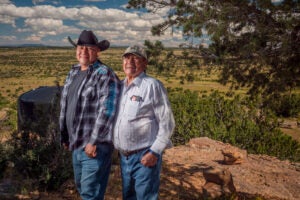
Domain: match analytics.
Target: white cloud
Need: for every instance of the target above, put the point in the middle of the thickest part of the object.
(37, 1)
(43, 23)
(38, 11)
(7, 20)
(119, 26)
(94, 0)
(33, 38)
(8, 38)
(5, 2)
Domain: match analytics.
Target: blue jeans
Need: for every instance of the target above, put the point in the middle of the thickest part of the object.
(139, 182)
(91, 174)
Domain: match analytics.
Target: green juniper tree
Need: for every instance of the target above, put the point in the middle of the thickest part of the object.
(255, 42)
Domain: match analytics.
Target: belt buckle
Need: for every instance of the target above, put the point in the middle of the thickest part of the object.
(129, 153)
(126, 153)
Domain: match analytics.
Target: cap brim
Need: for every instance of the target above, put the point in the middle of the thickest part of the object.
(137, 54)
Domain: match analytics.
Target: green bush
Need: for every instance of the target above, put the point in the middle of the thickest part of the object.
(37, 153)
(285, 105)
(43, 162)
(5, 154)
(237, 121)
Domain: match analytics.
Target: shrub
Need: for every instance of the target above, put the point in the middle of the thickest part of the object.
(5, 154)
(44, 162)
(285, 105)
(230, 121)
(37, 153)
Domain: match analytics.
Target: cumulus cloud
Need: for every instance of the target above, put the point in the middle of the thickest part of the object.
(5, 2)
(33, 38)
(119, 26)
(4, 19)
(94, 0)
(7, 38)
(43, 24)
(37, 1)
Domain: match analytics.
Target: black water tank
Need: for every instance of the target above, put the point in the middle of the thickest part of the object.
(37, 108)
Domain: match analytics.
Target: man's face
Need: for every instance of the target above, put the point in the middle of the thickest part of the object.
(86, 55)
(133, 65)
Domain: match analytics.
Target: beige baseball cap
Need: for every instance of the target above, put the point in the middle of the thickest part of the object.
(136, 50)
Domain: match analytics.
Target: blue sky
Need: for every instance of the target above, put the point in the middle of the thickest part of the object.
(49, 22)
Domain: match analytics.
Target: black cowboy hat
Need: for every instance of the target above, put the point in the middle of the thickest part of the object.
(88, 38)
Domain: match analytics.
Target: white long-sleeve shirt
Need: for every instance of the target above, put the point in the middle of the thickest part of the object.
(144, 117)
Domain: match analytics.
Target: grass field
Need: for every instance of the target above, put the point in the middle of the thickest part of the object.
(24, 69)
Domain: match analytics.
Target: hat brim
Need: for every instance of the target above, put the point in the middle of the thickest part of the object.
(103, 45)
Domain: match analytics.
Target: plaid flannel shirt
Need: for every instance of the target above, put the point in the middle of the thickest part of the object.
(97, 103)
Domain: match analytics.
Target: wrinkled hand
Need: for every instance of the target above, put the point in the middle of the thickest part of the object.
(149, 160)
(90, 150)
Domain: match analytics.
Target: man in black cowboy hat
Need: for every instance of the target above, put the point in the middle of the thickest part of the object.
(88, 106)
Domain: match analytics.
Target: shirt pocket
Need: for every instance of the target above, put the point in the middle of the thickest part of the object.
(89, 91)
(141, 131)
(132, 109)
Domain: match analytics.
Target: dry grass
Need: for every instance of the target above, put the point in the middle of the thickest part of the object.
(292, 128)
(24, 69)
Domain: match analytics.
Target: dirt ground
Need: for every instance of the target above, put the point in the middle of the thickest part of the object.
(173, 183)
(291, 127)
(183, 178)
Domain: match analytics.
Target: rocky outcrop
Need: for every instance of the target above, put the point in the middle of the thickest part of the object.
(202, 169)
(208, 168)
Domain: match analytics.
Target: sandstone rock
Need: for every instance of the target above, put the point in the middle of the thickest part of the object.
(232, 156)
(255, 176)
(212, 190)
(198, 171)
(220, 177)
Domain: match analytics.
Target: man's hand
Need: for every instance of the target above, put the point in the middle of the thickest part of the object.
(90, 150)
(149, 159)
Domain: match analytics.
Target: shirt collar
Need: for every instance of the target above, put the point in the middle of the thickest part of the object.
(91, 66)
(137, 80)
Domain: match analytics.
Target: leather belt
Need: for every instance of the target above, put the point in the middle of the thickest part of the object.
(129, 153)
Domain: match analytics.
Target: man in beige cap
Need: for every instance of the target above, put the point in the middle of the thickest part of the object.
(143, 127)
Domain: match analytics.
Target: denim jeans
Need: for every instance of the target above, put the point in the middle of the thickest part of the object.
(139, 182)
(91, 174)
